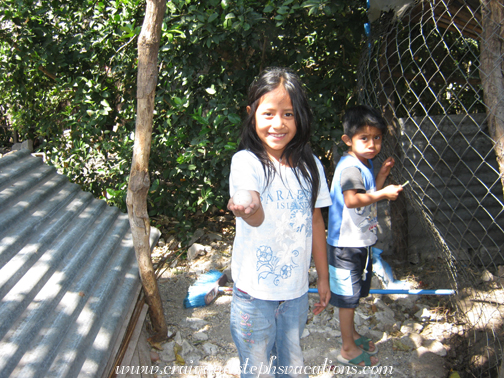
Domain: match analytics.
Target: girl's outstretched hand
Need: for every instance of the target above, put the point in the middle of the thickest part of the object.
(253, 214)
(324, 296)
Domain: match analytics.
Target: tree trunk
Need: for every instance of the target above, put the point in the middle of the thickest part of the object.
(398, 208)
(139, 182)
(492, 77)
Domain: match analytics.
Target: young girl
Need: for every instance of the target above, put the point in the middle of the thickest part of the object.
(279, 231)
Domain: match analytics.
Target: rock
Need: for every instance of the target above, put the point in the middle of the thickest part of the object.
(325, 317)
(378, 335)
(416, 339)
(407, 302)
(172, 243)
(410, 326)
(358, 321)
(210, 349)
(335, 316)
(424, 314)
(195, 323)
(437, 331)
(200, 336)
(412, 340)
(384, 307)
(362, 314)
(196, 236)
(486, 276)
(26, 145)
(320, 329)
(178, 338)
(386, 321)
(213, 236)
(168, 354)
(187, 348)
(400, 346)
(305, 333)
(434, 346)
(196, 250)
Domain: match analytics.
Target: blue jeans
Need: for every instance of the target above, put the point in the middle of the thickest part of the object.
(267, 335)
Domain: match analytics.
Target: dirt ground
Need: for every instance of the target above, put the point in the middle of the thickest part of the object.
(201, 336)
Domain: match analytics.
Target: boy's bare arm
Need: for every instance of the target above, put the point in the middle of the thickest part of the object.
(353, 199)
(319, 253)
(253, 214)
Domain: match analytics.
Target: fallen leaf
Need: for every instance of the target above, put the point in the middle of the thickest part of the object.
(177, 348)
(178, 358)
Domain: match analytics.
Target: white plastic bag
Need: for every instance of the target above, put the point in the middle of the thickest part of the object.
(383, 271)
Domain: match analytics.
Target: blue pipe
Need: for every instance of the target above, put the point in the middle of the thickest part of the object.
(410, 292)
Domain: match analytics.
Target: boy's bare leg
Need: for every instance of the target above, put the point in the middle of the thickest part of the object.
(348, 335)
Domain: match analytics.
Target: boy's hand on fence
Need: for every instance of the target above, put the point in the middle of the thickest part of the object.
(386, 166)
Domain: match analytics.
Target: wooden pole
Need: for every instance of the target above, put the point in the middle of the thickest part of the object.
(491, 74)
(139, 182)
(398, 208)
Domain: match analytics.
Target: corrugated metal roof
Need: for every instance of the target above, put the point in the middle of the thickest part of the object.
(68, 274)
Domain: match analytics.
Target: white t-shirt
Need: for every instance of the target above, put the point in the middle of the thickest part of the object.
(271, 262)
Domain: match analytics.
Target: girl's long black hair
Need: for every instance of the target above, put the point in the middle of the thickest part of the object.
(298, 151)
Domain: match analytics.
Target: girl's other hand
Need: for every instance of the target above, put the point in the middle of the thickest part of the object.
(324, 296)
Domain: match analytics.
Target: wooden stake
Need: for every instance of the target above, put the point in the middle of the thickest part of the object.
(139, 182)
(491, 74)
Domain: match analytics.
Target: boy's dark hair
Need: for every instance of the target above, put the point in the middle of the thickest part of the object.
(360, 116)
(298, 150)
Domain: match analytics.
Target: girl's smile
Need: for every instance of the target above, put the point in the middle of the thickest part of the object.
(274, 121)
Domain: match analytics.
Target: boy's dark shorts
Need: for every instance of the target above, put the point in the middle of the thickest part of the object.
(346, 266)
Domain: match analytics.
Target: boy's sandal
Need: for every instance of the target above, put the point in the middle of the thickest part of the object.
(363, 357)
(363, 344)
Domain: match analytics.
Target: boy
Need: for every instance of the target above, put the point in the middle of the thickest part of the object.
(352, 225)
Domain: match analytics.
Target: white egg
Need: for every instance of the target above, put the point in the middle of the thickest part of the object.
(242, 197)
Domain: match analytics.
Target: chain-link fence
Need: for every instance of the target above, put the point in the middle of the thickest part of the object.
(435, 70)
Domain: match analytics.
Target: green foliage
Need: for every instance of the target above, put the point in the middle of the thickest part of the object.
(68, 70)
